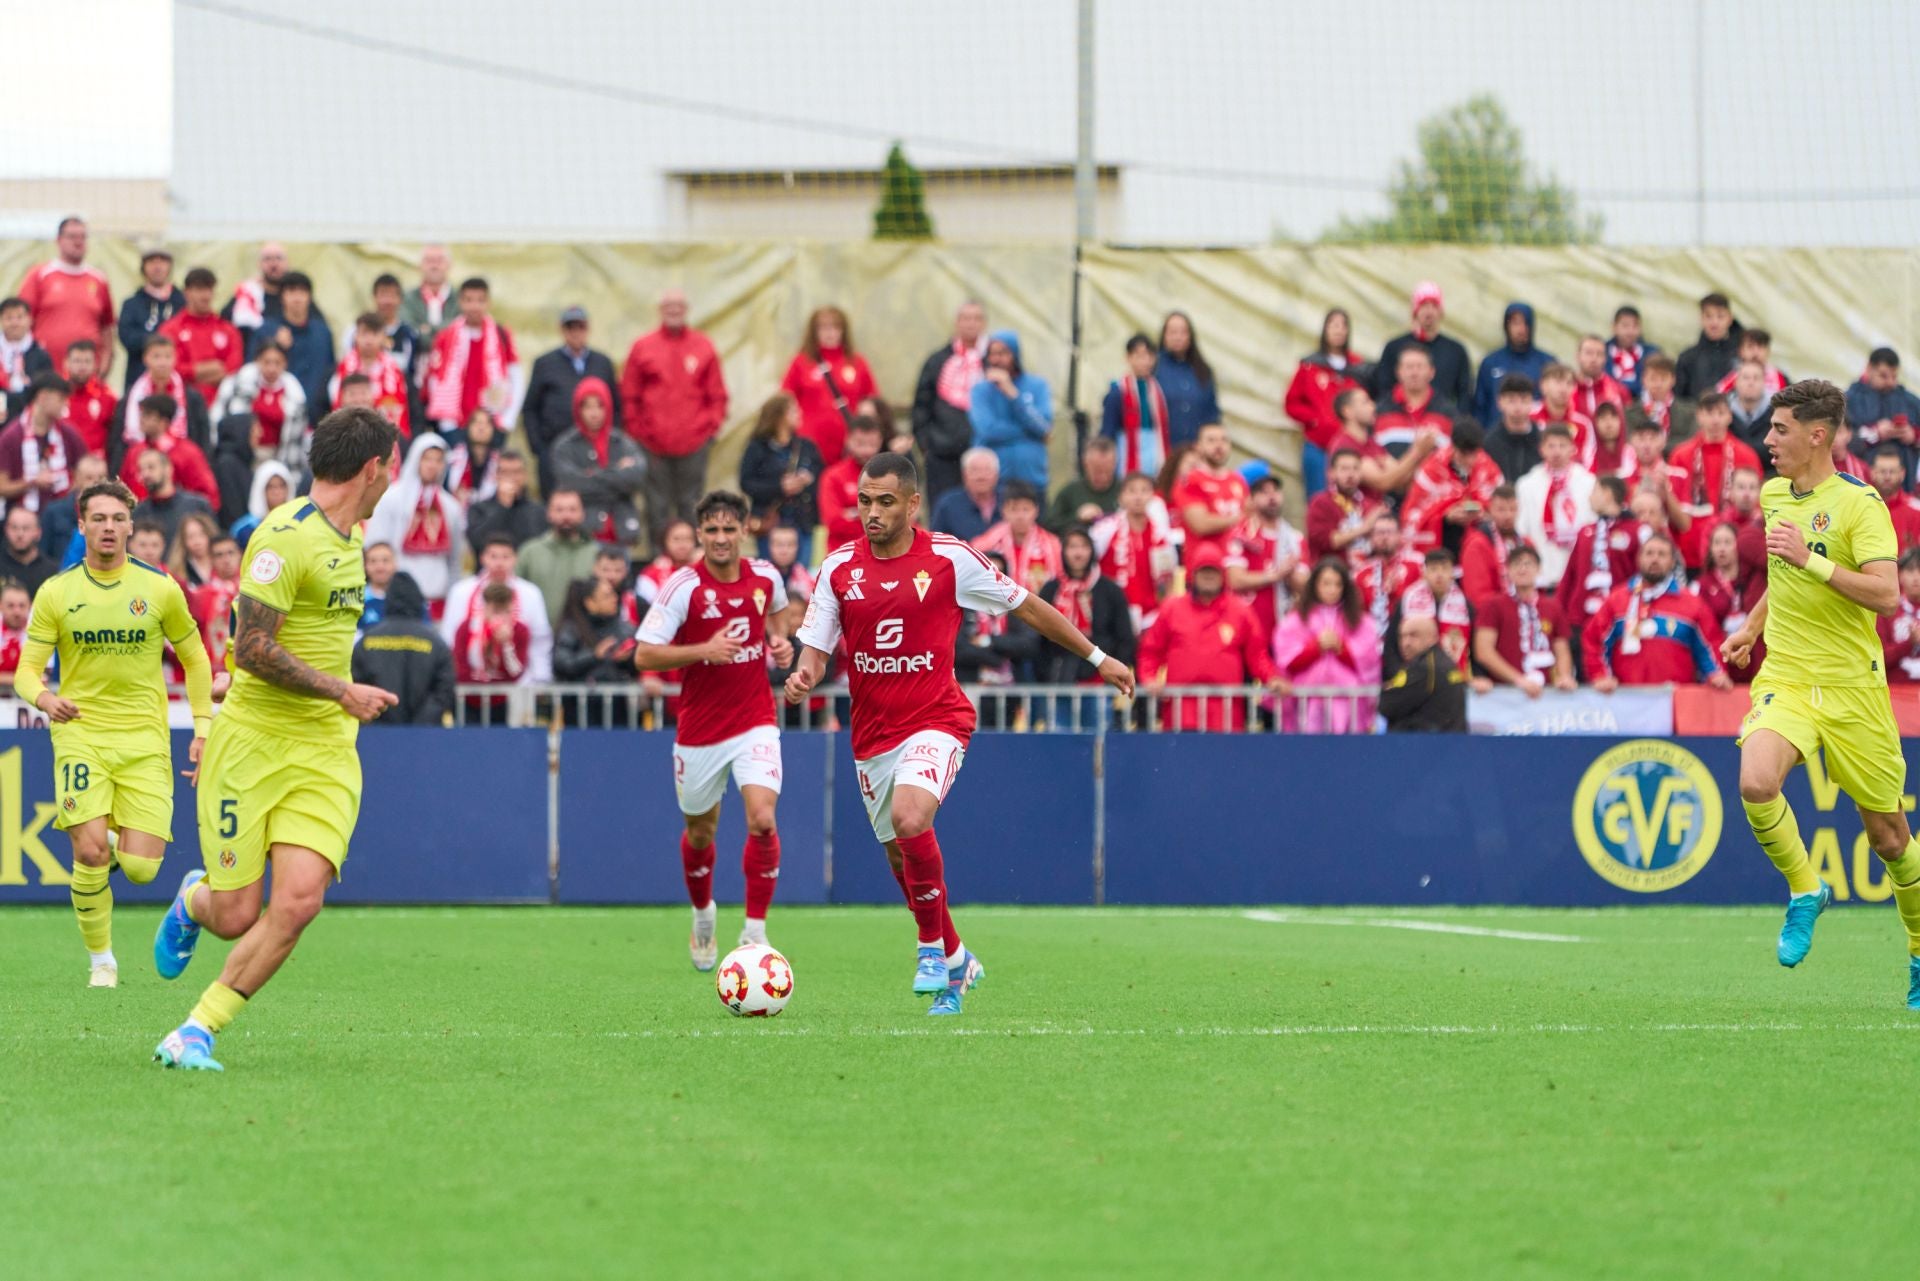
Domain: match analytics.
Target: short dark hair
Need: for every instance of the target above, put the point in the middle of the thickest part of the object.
(1613, 485)
(49, 381)
(497, 594)
(558, 490)
(14, 300)
(88, 344)
(1758, 337)
(1605, 409)
(614, 551)
(1890, 450)
(159, 405)
(1711, 400)
(1639, 423)
(899, 466)
(355, 380)
(367, 320)
(1516, 385)
(1468, 436)
(512, 456)
(14, 585)
(346, 441)
(1660, 363)
(1813, 400)
(1344, 451)
(1504, 491)
(500, 538)
(863, 422)
(1628, 309)
(1096, 444)
(144, 526)
(474, 282)
(1910, 558)
(218, 539)
(66, 222)
(199, 278)
(1523, 551)
(1437, 556)
(1346, 398)
(385, 280)
(1559, 431)
(1879, 356)
(1019, 491)
(1716, 299)
(112, 487)
(1138, 341)
(1554, 369)
(296, 280)
(724, 501)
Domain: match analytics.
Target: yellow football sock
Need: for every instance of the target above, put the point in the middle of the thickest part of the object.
(1904, 872)
(1779, 835)
(138, 870)
(93, 905)
(194, 896)
(218, 1006)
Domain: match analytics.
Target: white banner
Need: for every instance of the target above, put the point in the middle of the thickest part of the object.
(17, 713)
(1645, 712)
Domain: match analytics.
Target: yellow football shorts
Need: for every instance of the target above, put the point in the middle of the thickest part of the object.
(1853, 725)
(260, 790)
(131, 785)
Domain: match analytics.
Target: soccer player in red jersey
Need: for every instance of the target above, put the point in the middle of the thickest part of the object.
(896, 596)
(717, 619)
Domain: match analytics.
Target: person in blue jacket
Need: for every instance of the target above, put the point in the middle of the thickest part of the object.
(1186, 379)
(1519, 356)
(1013, 413)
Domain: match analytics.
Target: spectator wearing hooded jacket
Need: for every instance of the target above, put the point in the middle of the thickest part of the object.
(1012, 413)
(1518, 356)
(272, 486)
(1207, 636)
(943, 397)
(405, 656)
(605, 467)
(1185, 378)
(1323, 374)
(1701, 366)
(1452, 369)
(422, 522)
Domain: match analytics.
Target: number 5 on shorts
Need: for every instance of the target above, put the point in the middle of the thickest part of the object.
(229, 818)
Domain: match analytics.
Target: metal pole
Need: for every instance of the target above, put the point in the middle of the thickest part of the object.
(1085, 177)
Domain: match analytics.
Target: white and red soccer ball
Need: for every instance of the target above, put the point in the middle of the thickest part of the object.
(754, 981)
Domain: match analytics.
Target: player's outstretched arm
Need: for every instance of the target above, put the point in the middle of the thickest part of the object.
(1053, 625)
(1737, 648)
(258, 652)
(806, 674)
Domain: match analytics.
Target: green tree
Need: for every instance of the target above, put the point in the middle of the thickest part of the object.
(1471, 185)
(902, 212)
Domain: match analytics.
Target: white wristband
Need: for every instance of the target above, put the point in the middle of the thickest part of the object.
(1098, 656)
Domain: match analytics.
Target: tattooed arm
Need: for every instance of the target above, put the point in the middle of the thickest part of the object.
(258, 651)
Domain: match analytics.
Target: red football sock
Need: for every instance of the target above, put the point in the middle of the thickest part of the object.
(926, 884)
(762, 864)
(697, 865)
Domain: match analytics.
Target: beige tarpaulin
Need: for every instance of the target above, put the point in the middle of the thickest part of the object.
(1256, 310)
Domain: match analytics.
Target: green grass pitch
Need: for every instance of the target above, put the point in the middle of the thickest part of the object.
(484, 1093)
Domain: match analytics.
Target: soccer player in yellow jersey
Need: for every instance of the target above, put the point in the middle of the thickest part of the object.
(1823, 685)
(280, 779)
(109, 619)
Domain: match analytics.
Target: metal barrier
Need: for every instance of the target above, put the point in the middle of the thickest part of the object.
(1064, 709)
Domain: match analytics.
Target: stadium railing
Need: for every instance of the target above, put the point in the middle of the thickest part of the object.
(1072, 709)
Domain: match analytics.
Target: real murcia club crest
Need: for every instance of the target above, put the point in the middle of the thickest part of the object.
(760, 600)
(922, 581)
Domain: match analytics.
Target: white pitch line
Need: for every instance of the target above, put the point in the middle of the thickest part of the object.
(1428, 927)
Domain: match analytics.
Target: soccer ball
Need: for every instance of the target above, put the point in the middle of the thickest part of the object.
(754, 981)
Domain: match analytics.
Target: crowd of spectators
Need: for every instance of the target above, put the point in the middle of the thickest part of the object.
(1527, 522)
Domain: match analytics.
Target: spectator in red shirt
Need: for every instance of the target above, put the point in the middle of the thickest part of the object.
(1412, 406)
(38, 450)
(1386, 572)
(1451, 491)
(1323, 374)
(1485, 547)
(1032, 554)
(674, 394)
(1212, 498)
(211, 602)
(386, 379)
(1844, 459)
(1135, 550)
(90, 406)
(1381, 473)
(1593, 386)
(1518, 636)
(209, 348)
(1604, 553)
(1756, 345)
(474, 363)
(828, 378)
(1708, 460)
(1651, 631)
(190, 469)
(495, 647)
(1729, 589)
(1612, 455)
(22, 358)
(1327, 640)
(162, 378)
(1653, 475)
(839, 501)
(1743, 513)
(1900, 631)
(70, 300)
(1888, 475)
(1263, 559)
(1557, 406)
(1208, 636)
(16, 610)
(1338, 516)
(1438, 597)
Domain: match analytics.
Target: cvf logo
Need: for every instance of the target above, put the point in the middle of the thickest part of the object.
(889, 634)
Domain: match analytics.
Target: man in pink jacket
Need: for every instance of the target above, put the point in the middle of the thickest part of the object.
(675, 399)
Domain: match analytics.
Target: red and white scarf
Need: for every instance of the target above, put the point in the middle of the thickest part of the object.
(1562, 516)
(270, 411)
(427, 533)
(1075, 600)
(961, 370)
(435, 301)
(1536, 651)
(464, 482)
(52, 460)
(389, 385)
(1501, 546)
(479, 633)
(1130, 424)
(1661, 411)
(1625, 361)
(1639, 606)
(1697, 476)
(250, 304)
(142, 388)
(13, 363)
(443, 395)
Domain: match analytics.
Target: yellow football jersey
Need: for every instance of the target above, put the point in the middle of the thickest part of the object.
(109, 630)
(1816, 636)
(300, 565)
